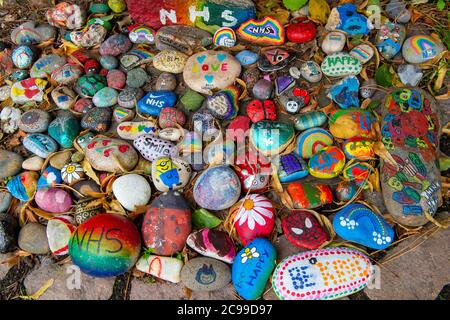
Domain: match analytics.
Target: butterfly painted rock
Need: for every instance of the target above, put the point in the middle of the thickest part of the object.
(254, 171)
(303, 230)
(258, 110)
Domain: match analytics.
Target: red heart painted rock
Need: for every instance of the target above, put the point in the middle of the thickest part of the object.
(301, 31)
(258, 110)
(254, 170)
(303, 230)
(169, 118)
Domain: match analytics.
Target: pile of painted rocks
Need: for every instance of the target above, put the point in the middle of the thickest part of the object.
(185, 150)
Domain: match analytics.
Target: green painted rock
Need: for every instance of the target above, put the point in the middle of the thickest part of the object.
(192, 100)
(341, 64)
(64, 129)
(88, 85)
(271, 137)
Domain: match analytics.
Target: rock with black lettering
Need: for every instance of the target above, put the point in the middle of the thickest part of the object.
(151, 147)
(205, 274)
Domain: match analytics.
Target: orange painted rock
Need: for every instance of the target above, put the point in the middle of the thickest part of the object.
(309, 195)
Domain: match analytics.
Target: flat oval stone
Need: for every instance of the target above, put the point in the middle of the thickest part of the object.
(10, 163)
(83, 105)
(141, 191)
(320, 265)
(170, 61)
(310, 120)
(185, 39)
(205, 274)
(334, 42)
(128, 97)
(22, 57)
(88, 85)
(97, 119)
(252, 268)
(267, 31)
(106, 97)
(303, 230)
(33, 238)
(308, 195)
(46, 65)
(64, 129)
(165, 268)
(118, 245)
(421, 48)
(389, 39)
(271, 137)
(40, 144)
(166, 82)
(142, 35)
(29, 33)
(362, 52)
(53, 200)
(341, 64)
(23, 186)
(28, 90)
(327, 163)
(311, 71)
(262, 89)
(136, 78)
(171, 134)
(67, 74)
(64, 97)
(151, 147)
(170, 173)
(109, 62)
(115, 45)
(130, 130)
(247, 57)
(313, 140)
(217, 188)
(33, 164)
(212, 243)
(290, 167)
(152, 103)
(116, 79)
(171, 118)
(111, 155)
(209, 70)
(135, 58)
(167, 224)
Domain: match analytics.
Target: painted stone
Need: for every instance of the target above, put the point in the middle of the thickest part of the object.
(111, 155)
(409, 74)
(87, 208)
(64, 97)
(136, 77)
(129, 97)
(271, 137)
(247, 57)
(205, 274)
(22, 57)
(154, 101)
(72, 173)
(212, 243)
(167, 224)
(255, 218)
(273, 60)
(92, 66)
(367, 88)
(92, 35)
(218, 152)
(10, 163)
(311, 71)
(122, 114)
(309, 120)
(309, 275)
(166, 82)
(205, 124)
(33, 238)
(294, 99)
(23, 186)
(254, 171)
(283, 84)
(362, 52)
(357, 173)
(312, 141)
(389, 39)
(421, 48)
(334, 42)
(301, 30)
(64, 129)
(345, 92)
(141, 191)
(171, 134)
(115, 45)
(184, 39)
(267, 31)
(53, 200)
(151, 147)
(262, 89)
(258, 110)
(210, 70)
(29, 33)
(217, 188)
(88, 85)
(18, 75)
(191, 100)
(202, 218)
(224, 105)
(67, 74)
(171, 118)
(396, 10)
(237, 129)
(341, 64)
(135, 58)
(224, 37)
(252, 268)
(357, 223)
(170, 61)
(9, 119)
(251, 76)
(66, 15)
(40, 144)
(131, 130)
(34, 121)
(142, 35)
(105, 97)
(170, 173)
(346, 18)
(83, 105)
(165, 268)
(350, 123)
(303, 230)
(117, 245)
(309, 195)
(83, 140)
(28, 90)
(410, 133)
(115, 79)
(117, 6)
(5, 93)
(327, 163)
(109, 62)
(359, 149)
(46, 65)
(345, 191)
(50, 177)
(98, 8)
(97, 119)
(290, 167)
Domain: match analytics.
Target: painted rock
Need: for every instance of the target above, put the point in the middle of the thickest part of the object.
(273, 60)
(251, 76)
(171, 134)
(10, 163)
(224, 105)
(421, 48)
(117, 6)
(105, 97)
(217, 188)
(303, 230)
(22, 57)
(9, 119)
(341, 64)
(409, 74)
(367, 88)
(136, 77)
(72, 173)
(290, 167)
(170, 173)
(154, 101)
(309, 275)
(136, 57)
(23, 186)
(40, 144)
(170, 118)
(28, 90)
(350, 123)
(53, 200)
(224, 37)
(410, 132)
(347, 19)
(204, 124)
(359, 149)
(254, 171)
(252, 268)
(271, 137)
(9, 228)
(5, 93)
(212, 243)
(50, 177)
(115, 79)
(301, 30)
(98, 8)
(358, 173)
(237, 128)
(311, 71)
(294, 99)
(83, 105)
(46, 65)
(83, 140)
(33, 238)
(170, 61)
(97, 119)
(258, 110)
(64, 129)
(396, 10)
(66, 15)
(209, 70)
(128, 97)
(142, 35)
(255, 218)
(283, 84)
(309, 195)
(115, 45)
(131, 130)
(309, 120)
(122, 114)
(345, 191)
(67, 74)
(64, 97)
(141, 191)
(205, 274)
(345, 92)
(109, 62)
(312, 141)
(184, 39)
(334, 42)
(267, 31)
(92, 35)
(111, 155)
(262, 89)
(34, 121)
(246, 57)
(218, 152)
(167, 224)
(5, 201)
(117, 245)
(29, 33)
(327, 163)
(390, 38)
(87, 208)
(88, 85)
(166, 82)
(165, 268)
(362, 52)
(151, 147)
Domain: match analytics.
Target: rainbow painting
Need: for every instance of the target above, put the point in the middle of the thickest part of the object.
(224, 37)
(423, 46)
(268, 31)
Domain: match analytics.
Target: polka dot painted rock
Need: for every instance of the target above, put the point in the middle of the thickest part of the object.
(53, 200)
(327, 163)
(170, 173)
(309, 195)
(170, 118)
(303, 230)
(139, 197)
(212, 243)
(59, 231)
(170, 61)
(151, 147)
(306, 275)
(97, 119)
(130, 130)
(341, 64)
(115, 45)
(312, 141)
(111, 155)
(258, 110)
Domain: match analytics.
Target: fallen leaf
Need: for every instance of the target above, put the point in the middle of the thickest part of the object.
(319, 10)
(40, 292)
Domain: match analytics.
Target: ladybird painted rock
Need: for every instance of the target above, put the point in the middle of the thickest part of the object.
(327, 163)
(252, 268)
(212, 243)
(290, 167)
(254, 171)
(312, 141)
(309, 195)
(170, 173)
(106, 245)
(303, 230)
(357, 223)
(167, 224)
(59, 231)
(322, 274)
(271, 137)
(258, 110)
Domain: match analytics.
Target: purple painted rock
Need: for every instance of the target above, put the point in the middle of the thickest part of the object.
(212, 243)
(115, 45)
(53, 200)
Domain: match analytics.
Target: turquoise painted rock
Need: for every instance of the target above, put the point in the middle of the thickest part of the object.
(152, 103)
(309, 120)
(109, 62)
(271, 137)
(421, 48)
(64, 129)
(49, 178)
(22, 57)
(290, 167)
(40, 144)
(23, 186)
(252, 268)
(46, 65)
(341, 64)
(247, 57)
(98, 8)
(88, 85)
(106, 97)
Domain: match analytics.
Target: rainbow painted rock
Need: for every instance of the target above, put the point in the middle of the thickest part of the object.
(217, 188)
(252, 268)
(357, 223)
(358, 173)
(359, 149)
(268, 31)
(142, 34)
(167, 224)
(28, 90)
(165, 268)
(255, 218)
(130, 130)
(170, 173)
(59, 231)
(106, 245)
(312, 141)
(254, 171)
(327, 163)
(309, 195)
(421, 48)
(271, 137)
(290, 167)
(350, 123)
(224, 37)
(212, 243)
(258, 110)
(111, 155)
(310, 120)
(134, 58)
(303, 230)
(23, 186)
(224, 105)
(341, 64)
(301, 30)
(322, 274)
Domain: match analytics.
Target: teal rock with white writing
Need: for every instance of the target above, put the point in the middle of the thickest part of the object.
(40, 144)
(64, 129)
(271, 137)
(341, 64)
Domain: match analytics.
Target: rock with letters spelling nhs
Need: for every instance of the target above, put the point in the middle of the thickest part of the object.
(152, 103)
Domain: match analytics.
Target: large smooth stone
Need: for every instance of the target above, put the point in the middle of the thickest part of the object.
(165, 268)
(23, 186)
(34, 121)
(22, 57)
(267, 31)
(151, 147)
(184, 39)
(290, 167)
(141, 191)
(271, 137)
(33, 238)
(106, 97)
(252, 268)
(210, 70)
(303, 230)
(167, 224)
(322, 274)
(410, 132)
(44, 66)
(421, 48)
(28, 90)
(97, 119)
(106, 245)
(341, 64)
(9, 228)
(53, 200)
(205, 274)
(152, 103)
(309, 195)
(67, 74)
(10, 163)
(212, 243)
(130, 130)
(389, 39)
(64, 129)
(170, 173)
(59, 231)
(111, 155)
(40, 144)
(115, 45)
(334, 42)
(217, 188)
(170, 61)
(327, 163)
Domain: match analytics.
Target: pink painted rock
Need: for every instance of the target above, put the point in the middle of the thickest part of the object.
(53, 200)
(116, 79)
(170, 117)
(212, 243)
(115, 45)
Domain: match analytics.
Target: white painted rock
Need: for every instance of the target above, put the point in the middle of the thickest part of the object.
(166, 268)
(334, 42)
(59, 231)
(5, 92)
(151, 147)
(130, 130)
(28, 90)
(131, 190)
(170, 61)
(363, 53)
(170, 173)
